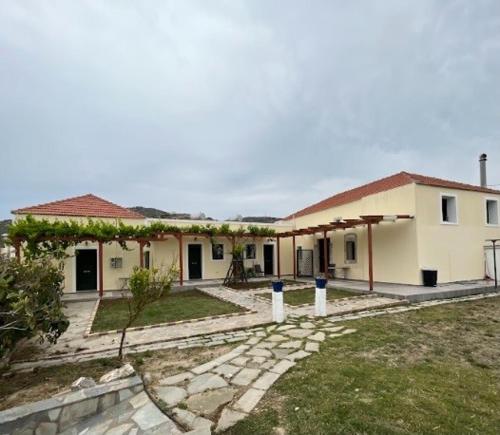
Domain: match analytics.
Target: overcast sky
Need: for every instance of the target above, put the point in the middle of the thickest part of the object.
(252, 107)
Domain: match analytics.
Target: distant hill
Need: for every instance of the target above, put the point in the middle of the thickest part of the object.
(260, 219)
(4, 228)
(155, 213)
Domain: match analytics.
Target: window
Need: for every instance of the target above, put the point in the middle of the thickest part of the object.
(350, 248)
(250, 251)
(217, 251)
(492, 212)
(449, 209)
(147, 259)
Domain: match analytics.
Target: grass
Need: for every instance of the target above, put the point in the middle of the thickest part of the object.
(306, 296)
(43, 383)
(252, 285)
(190, 304)
(432, 371)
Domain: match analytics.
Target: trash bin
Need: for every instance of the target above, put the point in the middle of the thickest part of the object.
(429, 277)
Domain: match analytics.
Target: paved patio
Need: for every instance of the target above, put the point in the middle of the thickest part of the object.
(418, 293)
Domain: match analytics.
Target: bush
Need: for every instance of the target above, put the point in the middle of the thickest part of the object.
(30, 302)
(146, 286)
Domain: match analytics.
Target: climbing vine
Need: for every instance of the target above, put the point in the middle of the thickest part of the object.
(43, 237)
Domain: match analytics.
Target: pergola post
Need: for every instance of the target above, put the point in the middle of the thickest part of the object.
(294, 258)
(141, 254)
(370, 256)
(181, 261)
(325, 254)
(278, 255)
(101, 271)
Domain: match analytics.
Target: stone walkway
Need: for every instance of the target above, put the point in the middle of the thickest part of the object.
(74, 346)
(219, 393)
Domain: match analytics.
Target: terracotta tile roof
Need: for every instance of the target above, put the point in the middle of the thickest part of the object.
(85, 205)
(382, 185)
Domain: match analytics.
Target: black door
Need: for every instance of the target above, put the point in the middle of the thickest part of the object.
(322, 254)
(86, 269)
(194, 260)
(268, 259)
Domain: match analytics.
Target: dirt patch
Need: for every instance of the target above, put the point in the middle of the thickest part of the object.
(20, 388)
(24, 387)
(160, 364)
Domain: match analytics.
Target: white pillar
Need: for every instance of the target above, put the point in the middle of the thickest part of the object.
(320, 302)
(278, 308)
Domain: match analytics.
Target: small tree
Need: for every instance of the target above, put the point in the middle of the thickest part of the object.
(30, 302)
(146, 286)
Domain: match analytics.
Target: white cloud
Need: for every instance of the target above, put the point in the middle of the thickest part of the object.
(242, 106)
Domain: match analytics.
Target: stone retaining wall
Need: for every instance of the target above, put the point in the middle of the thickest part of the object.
(54, 415)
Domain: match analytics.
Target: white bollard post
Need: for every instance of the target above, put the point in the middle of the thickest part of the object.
(320, 298)
(278, 307)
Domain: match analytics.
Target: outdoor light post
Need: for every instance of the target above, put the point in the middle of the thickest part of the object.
(278, 306)
(494, 241)
(320, 298)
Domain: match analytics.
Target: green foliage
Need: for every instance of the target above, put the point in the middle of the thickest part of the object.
(237, 251)
(46, 238)
(146, 287)
(30, 302)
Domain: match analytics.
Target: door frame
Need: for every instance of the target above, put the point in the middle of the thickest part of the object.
(98, 269)
(264, 258)
(186, 259)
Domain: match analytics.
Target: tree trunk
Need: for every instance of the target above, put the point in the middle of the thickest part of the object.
(122, 340)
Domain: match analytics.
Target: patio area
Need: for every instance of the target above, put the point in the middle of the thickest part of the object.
(418, 293)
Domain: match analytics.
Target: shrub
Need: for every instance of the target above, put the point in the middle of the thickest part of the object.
(30, 302)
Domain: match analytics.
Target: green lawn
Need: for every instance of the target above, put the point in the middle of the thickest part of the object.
(306, 296)
(432, 371)
(253, 285)
(190, 304)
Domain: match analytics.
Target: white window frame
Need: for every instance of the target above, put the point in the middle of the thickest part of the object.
(486, 211)
(448, 195)
(212, 252)
(351, 237)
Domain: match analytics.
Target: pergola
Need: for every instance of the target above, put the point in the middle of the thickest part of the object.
(142, 241)
(342, 224)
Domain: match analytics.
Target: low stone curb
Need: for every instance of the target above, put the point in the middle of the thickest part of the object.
(91, 318)
(58, 413)
(179, 322)
(89, 333)
(225, 337)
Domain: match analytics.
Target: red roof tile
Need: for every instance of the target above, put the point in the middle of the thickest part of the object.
(382, 185)
(85, 205)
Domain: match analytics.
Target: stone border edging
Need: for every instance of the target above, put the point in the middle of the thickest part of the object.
(88, 330)
(61, 412)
